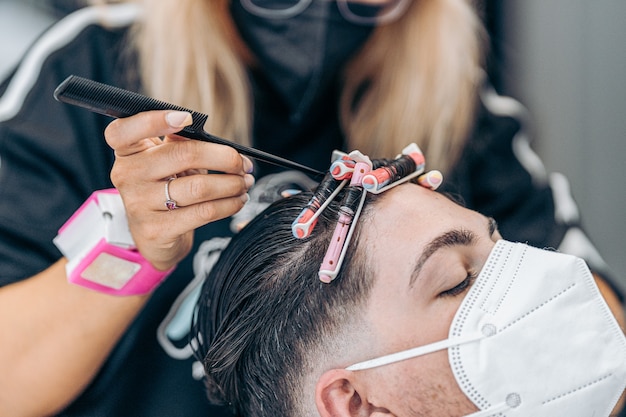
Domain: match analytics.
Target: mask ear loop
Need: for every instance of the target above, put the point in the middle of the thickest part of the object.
(349, 212)
(511, 401)
(415, 352)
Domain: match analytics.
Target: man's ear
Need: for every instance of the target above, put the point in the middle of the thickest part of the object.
(338, 393)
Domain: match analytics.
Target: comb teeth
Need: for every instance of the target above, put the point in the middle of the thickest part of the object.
(116, 102)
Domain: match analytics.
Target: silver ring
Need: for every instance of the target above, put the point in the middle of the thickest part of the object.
(169, 203)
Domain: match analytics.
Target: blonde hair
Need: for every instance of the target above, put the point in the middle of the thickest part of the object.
(422, 74)
(190, 55)
(415, 79)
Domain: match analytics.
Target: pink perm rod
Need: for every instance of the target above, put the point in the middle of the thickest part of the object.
(306, 220)
(348, 213)
(406, 166)
(431, 179)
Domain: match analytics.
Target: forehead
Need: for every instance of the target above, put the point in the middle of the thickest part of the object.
(416, 211)
(404, 221)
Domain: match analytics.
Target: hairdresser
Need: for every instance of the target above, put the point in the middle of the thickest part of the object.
(294, 78)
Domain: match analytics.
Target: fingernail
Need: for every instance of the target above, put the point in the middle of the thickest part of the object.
(245, 198)
(249, 179)
(178, 118)
(248, 167)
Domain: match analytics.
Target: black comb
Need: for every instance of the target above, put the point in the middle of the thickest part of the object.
(117, 102)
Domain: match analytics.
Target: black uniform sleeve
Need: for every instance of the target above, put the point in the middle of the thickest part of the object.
(52, 155)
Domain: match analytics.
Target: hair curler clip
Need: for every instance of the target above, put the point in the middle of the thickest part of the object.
(328, 189)
(405, 167)
(357, 169)
(337, 154)
(349, 213)
(343, 168)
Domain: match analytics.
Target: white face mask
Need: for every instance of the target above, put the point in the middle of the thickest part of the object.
(533, 337)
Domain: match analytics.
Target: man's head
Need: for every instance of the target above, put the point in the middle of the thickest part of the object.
(281, 339)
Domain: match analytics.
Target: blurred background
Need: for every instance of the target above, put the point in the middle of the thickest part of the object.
(565, 60)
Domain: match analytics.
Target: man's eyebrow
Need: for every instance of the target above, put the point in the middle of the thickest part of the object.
(455, 237)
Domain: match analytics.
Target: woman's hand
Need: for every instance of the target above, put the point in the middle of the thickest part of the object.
(143, 166)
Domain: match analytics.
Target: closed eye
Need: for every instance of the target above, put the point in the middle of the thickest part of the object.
(461, 288)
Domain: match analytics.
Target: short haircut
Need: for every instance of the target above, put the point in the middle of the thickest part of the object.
(264, 320)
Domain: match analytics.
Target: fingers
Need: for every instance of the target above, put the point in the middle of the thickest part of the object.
(144, 162)
(164, 237)
(140, 152)
(197, 189)
(134, 134)
(175, 156)
(169, 225)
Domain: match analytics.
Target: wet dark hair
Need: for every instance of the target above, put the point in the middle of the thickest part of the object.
(263, 308)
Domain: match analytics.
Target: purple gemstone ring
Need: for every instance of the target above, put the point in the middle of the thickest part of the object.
(169, 203)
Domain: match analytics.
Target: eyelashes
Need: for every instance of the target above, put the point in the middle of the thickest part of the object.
(461, 287)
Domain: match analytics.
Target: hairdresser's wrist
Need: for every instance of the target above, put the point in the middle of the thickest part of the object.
(161, 261)
(164, 256)
(101, 252)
